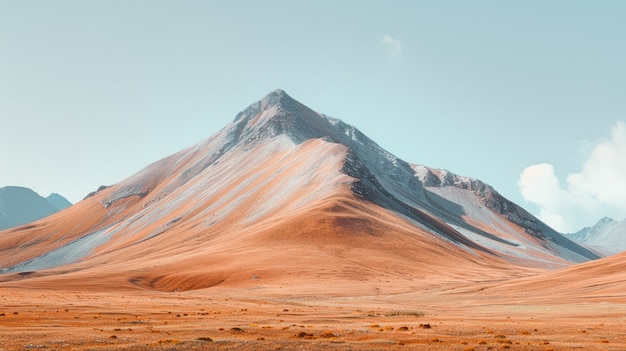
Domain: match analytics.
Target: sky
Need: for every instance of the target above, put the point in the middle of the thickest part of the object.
(528, 96)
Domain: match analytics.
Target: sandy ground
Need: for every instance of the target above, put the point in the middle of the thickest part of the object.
(248, 319)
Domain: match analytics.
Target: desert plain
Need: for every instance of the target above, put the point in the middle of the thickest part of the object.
(283, 317)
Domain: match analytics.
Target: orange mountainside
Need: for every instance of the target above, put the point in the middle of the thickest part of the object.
(290, 229)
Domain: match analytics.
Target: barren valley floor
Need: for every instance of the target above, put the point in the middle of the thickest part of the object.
(246, 319)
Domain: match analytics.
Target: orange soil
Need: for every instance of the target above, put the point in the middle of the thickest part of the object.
(271, 319)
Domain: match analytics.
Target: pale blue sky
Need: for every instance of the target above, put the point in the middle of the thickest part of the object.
(93, 91)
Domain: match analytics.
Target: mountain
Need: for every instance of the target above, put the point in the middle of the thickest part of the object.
(58, 201)
(284, 194)
(608, 236)
(19, 205)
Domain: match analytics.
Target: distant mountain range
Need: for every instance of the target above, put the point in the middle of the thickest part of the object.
(607, 236)
(19, 205)
(290, 196)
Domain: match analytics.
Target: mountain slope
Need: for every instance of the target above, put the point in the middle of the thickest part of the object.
(19, 205)
(486, 217)
(283, 193)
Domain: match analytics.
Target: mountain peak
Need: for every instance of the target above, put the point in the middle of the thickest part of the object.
(276, 97)
(58, 201)
(605, 220)
(278, 113)
(275, 100)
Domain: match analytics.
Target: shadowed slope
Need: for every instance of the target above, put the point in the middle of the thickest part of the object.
(487, 218)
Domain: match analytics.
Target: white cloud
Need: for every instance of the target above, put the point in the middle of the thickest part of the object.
(603, 175)
(598, 190)
(394, 46)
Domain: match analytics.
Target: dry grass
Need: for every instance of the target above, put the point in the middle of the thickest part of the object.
(405, 313)
(327, 334)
